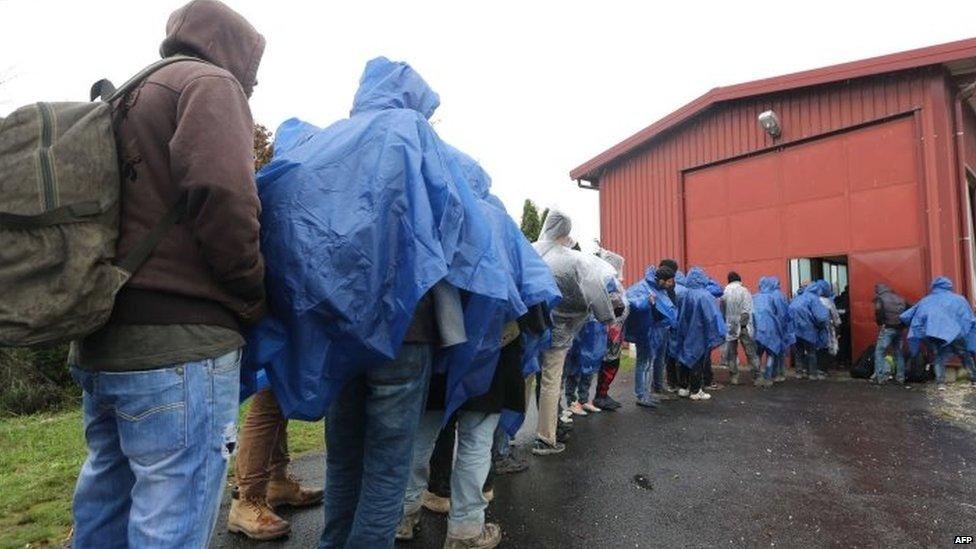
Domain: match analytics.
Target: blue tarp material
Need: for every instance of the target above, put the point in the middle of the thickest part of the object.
(359, 221)
(470, 367)
(809, 316)
(943, 316)
(643, 326)
(771, 314)
(701, 326)
(589, 348)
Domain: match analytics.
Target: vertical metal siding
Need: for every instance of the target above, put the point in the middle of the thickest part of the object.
(641, 196)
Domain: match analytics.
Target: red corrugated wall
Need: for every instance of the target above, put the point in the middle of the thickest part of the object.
(641, 196)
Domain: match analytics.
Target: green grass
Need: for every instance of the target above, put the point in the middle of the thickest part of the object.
(40, 456)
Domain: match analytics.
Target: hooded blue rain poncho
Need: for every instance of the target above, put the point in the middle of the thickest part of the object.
(471, 366)
(701, 325)
(359, 221)
(644, 325)
(771, 315)
(809, 316)
(943, 316)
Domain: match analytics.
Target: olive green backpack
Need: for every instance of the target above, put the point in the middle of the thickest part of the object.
(59, 218)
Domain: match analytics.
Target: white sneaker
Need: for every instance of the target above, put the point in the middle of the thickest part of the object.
(566, 416)
(577, 409)
(683, 393)
(701, 395)
(590, 407)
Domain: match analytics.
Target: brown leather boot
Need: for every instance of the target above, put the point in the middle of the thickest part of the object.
(288, 491)
(256, 520)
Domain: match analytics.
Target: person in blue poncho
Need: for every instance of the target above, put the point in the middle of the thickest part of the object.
(943, 321)
(369, 230)
(490, 380)
(700, 329)
(774, 333)
(652, 314)
(671, 365)
(584, 359)
(810, 319)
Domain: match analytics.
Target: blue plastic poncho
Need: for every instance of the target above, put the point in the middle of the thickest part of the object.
(589, 347)
(943, 316)
(701, 326)
(809, 316)
(644, 325)
(771, 315)
(359, 221)
(471, 366)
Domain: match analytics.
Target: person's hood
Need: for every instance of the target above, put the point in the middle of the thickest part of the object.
(768, 284)
(942, 283)
(556, 226)
(614, 259)
(826, 290)
(881, 289)
(696, 279)
(477, 178)
(813, 288)
(650, 275)
(210, 30)
(680, 279)
(389, 84)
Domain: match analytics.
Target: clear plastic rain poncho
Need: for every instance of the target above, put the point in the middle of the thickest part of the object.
(582, 279)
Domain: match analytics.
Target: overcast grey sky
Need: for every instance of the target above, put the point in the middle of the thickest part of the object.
(530, 89)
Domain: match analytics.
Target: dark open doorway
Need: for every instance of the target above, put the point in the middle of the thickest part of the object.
(834, 270)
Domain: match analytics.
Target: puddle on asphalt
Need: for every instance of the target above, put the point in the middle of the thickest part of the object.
(643, 482)
(955, 405)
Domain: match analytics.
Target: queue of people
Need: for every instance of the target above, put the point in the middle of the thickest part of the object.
(380, 285)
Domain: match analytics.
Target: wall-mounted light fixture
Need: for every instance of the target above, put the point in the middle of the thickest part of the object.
(770, 122)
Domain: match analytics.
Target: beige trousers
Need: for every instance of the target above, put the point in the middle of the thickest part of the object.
(552, 378)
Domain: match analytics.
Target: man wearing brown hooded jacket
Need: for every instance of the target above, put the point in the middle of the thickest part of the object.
(161, 380)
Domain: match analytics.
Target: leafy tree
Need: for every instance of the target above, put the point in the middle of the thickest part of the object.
(542, 220)
(531, 226)
(263, 146)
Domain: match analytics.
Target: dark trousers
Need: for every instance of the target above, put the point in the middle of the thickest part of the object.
(706, 369)
(690, 378)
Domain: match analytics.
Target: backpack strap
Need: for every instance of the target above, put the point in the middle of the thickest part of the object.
(138, 255)
(104, 90)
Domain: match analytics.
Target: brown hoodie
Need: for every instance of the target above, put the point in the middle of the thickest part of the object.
(188, 129)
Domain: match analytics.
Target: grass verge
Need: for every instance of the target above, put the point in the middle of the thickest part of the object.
(40, 456)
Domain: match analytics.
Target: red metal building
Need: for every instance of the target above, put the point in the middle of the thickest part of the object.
(871, 179)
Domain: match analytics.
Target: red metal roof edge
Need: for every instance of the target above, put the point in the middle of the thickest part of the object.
(931, 55)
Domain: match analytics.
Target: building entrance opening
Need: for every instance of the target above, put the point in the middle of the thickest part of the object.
(834, 270)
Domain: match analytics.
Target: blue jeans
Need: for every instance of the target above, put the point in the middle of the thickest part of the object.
(958, 348)
(158, 446)
(475, 433)
(500, 446)
(370, 430)
(648, 371)
(807, 355)
(774, 362)
(888, 338)
(577, 388)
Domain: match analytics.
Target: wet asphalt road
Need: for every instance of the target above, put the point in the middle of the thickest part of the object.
(805, 464)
